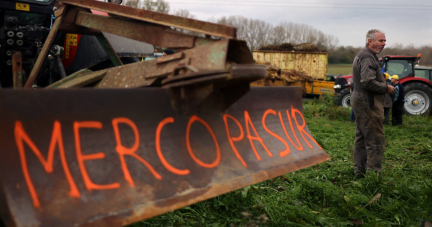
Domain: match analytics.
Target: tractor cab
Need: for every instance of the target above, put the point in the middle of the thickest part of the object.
(423, 72)
(403, 66)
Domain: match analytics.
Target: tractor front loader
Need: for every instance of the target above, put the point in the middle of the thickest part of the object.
(120, 140)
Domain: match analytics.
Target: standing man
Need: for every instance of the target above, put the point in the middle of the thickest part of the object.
(367, 102)
(398, 101)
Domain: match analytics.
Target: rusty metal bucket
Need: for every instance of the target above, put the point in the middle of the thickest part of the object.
(111, 156)
(132, 156)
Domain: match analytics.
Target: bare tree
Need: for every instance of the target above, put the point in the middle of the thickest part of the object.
(257, 32)
(185, 13)
(331, 42)
(426, 52)
(157, 6)
(132, 3)
(302, 33)
(397, 46)
(277, 35)
(254, 32)
(237, 21)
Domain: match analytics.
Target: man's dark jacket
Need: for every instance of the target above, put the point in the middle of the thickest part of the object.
(372, 87)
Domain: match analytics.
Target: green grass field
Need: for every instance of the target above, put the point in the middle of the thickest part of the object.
(339, 69)
(328, 194)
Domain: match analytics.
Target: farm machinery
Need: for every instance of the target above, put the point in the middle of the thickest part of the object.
(305, 68)
(93, 136)
(418, 90)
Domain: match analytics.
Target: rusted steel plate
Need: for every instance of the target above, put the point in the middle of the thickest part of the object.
(111, 157)
(146, 32)
(208, 57)
(61, 9)
(64, 83)
(205, 59)
(157, 18)
(84, 78)
(68, 25)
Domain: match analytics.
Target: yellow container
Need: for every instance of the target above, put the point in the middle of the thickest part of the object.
(312, 63)
(319, 87)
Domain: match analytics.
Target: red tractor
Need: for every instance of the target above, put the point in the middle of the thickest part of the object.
(418, 90)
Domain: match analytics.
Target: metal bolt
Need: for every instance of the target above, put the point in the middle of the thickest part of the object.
(9, 62)
(51, 58)
(19, 42)
(9, 53)
(20, 34)
(10, 34)
(10, 42)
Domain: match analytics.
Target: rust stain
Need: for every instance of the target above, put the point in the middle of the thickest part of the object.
(157, 18)
(148, 196)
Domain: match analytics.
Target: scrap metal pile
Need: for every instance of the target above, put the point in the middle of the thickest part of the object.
(287, 76)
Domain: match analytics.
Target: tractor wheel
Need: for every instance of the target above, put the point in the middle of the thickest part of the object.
(418, 99)
(343, 98)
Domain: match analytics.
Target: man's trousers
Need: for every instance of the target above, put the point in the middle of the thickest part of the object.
(369, 139)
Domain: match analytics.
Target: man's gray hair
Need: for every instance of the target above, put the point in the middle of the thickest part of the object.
(371, 34)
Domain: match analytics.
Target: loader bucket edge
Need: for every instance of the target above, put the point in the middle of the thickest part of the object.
(111, 157)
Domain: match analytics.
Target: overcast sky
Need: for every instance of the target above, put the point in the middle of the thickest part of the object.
(403, 21)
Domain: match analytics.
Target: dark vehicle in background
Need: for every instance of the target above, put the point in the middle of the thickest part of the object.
(342, 89)
(423, 72)
(415, 79)
(333, 77)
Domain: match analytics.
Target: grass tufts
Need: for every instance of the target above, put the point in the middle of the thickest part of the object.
(328, 194)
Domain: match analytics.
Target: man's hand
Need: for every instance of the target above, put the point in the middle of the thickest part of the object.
(390, 89)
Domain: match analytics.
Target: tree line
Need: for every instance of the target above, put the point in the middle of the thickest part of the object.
(345, 55)
(258, 33)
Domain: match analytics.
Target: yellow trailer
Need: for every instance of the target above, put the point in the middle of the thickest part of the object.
(313, 64)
